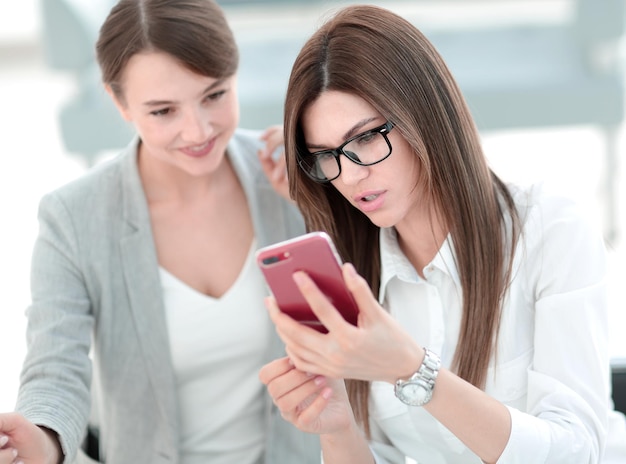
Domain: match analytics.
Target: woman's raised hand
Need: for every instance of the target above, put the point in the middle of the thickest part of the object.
(377, 349)
(274, 167)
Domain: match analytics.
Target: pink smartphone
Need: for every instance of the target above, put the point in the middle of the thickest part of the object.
(315, 254)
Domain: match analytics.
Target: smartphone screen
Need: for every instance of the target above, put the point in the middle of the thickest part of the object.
(315, 254)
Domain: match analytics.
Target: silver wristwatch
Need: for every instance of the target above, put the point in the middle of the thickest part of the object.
(417, 390)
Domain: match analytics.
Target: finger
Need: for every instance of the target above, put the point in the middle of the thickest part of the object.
(271, 131)
(8, 454)
(11, 423)
(289, 330)
(279, 170)
(361, 292)
(275, 369)
(293, 395)
(320, 304)
(305, 360)
(273, 138)
(267, 163)
(303, 344)
(308, 415)
(279, 318)
(276, 175)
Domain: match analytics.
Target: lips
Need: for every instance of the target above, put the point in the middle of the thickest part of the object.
(369, 201)
(198, 151)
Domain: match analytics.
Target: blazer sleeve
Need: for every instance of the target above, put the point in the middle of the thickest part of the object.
(56, 375)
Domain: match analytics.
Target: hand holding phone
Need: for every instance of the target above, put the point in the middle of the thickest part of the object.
(315, 254)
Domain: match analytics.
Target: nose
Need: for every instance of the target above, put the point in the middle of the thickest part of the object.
(352, 173)
(196, 126)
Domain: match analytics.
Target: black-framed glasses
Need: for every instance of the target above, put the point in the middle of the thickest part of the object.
(367, 148)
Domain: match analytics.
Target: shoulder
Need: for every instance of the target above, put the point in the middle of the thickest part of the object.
(560, 242)
(99, 189)
(243, 149)
(245, 143)
(546, 212)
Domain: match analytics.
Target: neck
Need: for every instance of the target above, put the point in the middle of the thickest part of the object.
(164, 182)
(421, 240)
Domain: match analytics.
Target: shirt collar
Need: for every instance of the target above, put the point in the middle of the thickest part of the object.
(395, 264)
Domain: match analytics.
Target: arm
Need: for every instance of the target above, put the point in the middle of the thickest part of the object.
(568, 379)
(56, 374)
(565, 413)
(364, 352)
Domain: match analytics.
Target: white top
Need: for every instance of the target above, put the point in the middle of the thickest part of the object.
(552, 369)
(218, 346)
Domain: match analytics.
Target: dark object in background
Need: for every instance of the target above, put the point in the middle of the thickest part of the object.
(618, 368)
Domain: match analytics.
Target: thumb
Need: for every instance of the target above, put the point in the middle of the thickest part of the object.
(9, 422)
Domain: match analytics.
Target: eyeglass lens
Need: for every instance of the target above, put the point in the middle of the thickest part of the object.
(368, 148)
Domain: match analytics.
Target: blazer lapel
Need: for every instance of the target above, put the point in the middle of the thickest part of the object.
(143, 286)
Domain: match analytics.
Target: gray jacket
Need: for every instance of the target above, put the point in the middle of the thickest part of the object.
(97, 308)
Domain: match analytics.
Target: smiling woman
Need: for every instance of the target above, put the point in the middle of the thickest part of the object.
(143, 268)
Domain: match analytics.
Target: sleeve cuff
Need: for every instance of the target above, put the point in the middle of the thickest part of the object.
(529, 440)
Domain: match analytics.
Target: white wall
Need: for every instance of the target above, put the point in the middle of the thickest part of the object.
(19, 21)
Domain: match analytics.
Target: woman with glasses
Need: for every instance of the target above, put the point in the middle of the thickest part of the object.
(147, 329)
(482, 334)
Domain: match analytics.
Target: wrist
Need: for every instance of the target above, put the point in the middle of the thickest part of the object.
(417, 390)
(346, 445)
(55, 453)
(409, 363)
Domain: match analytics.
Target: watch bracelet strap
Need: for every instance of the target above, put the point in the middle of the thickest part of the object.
(429, 369)
(427, 372)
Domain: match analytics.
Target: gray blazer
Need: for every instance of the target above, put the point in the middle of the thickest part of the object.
(97, 308)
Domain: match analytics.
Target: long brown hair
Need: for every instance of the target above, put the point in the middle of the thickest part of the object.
(375, 54)
(195, 32)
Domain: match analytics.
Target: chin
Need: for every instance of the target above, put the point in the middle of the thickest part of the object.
(382, 222)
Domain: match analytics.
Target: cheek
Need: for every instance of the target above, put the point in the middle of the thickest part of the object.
(407, 162)
(229, 111)
(155, 132)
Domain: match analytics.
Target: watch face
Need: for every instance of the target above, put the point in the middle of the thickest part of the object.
(418, 389)
(415, 394)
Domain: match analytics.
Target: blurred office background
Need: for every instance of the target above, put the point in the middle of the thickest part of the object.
(544, 78)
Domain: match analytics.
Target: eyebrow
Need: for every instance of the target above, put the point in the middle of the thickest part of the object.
(350, 133)
(152, 103)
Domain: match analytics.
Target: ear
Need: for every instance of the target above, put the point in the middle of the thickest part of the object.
(121, 106)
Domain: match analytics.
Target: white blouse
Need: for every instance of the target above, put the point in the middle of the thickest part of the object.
(218, 346)
(552, 364)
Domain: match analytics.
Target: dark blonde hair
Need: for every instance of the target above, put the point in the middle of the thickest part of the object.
(195, 32)
(376, 55)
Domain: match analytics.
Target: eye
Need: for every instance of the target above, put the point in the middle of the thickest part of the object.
(366, 138)
(322, 156)
(161, 112)
(215, 95)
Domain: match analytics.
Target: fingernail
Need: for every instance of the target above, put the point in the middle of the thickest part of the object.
(351, 269)
(327, 393)
(14, 452)
(298, 277)
(3, 440)
(319, 380)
